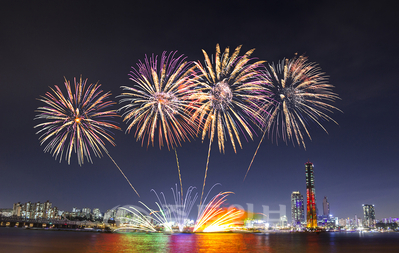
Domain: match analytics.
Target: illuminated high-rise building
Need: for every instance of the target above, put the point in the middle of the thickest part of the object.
(369, 215)
(97, 214)
(326, 207)
(35, 210)
(311, 215)
(297, 209)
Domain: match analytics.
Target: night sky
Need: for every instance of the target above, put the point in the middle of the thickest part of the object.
(355, 43)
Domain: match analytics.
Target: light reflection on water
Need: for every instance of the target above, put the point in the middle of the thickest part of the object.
(20, 240)
(202, 242)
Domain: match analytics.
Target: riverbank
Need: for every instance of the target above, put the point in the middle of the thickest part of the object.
(91, 230)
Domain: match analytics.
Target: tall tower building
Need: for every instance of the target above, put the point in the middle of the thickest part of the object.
(297, 209)
(311, 216)
(356, 221)
(369, 216)
(326, 207)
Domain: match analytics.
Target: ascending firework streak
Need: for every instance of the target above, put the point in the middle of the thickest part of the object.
(301, 94)
(178, 170)
(77, 122)
(181, 209)
(229, 93)
(161, 99)
(213, 217)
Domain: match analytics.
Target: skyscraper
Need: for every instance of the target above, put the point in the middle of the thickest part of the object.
(297, 209)
(356, 221)
(369, 216)
(311, 216)
(326, 207)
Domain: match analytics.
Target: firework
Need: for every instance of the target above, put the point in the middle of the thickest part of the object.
(130, 217)
(301, 94)
(229, 92)
(78, 122)
(229, 96)
(134, 218)
(214, 218)
(160, 217)
(160, 99)
(225, 221)
(180, 209)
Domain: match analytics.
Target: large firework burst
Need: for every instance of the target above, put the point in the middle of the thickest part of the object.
(230, 95)
(300, 95)
(160, 99)
(79, 121)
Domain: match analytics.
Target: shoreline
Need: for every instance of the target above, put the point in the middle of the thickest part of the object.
(110, 231)
(90, 230)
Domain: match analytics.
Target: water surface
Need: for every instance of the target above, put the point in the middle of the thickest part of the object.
(21, 240)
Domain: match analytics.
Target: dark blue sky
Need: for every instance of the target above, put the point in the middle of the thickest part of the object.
(355, 43)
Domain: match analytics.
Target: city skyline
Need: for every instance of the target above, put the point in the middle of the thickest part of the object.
(354, 164)
(313, 220)
(47, 211)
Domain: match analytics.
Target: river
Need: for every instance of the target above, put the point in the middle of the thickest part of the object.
(45, 241)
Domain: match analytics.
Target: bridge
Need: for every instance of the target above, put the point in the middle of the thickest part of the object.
(47, 223)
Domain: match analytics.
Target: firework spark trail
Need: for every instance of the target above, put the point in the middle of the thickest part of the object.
(301, 94)
(224, 221)
(82, 117)
(212, 209)
(202, 206)
(164, 205)
(229, 92)
(214, 218)
(206, 170)
(123, 174)
(178, 169)
(256, 152)
(181, 209)
(160, 217)
(138, 222)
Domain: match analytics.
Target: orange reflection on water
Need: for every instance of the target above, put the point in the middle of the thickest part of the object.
(130, 242)
(217, 242)
(177, 243)
(313, 243)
